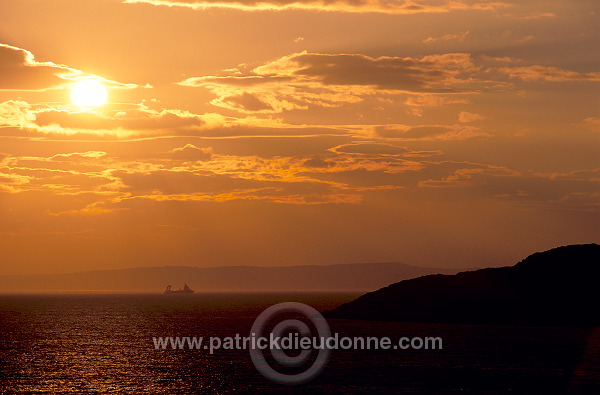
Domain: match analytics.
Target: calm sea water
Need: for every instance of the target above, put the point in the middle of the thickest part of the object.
(65, 344)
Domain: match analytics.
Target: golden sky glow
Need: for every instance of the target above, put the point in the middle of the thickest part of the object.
(196, 132)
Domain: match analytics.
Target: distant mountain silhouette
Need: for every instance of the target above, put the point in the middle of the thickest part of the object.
(358, 277)
(556, 287)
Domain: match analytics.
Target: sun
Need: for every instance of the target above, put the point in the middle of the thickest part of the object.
(88, 93)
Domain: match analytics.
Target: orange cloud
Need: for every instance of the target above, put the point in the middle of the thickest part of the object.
(19, 71)
(381, 6)
(468, 176)
(9, 182)
(367, 147)
(388, 73)
(96, 208)
(448, 37)
(136, 120)
(543, 73)
(190, 152)
(466, 117)
(88, 154)
(430, 100)
(428, 132)
(304, 79)
(133, 120)
(16, 113)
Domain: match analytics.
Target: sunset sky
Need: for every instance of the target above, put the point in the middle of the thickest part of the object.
(448, 133)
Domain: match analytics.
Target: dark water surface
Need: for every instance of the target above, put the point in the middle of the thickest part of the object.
(65, 344)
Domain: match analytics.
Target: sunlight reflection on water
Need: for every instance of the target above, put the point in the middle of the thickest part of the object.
(68, 344)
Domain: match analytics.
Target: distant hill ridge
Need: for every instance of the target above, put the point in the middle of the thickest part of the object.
(560, 286)
(357, 277)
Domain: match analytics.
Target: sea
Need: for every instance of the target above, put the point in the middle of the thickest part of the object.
(103, 344)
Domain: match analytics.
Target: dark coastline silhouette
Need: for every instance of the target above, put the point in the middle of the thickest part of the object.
(556, 287)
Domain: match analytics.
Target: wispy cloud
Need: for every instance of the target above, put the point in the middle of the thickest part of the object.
(379, 6)
(448, 37)
(544, 73)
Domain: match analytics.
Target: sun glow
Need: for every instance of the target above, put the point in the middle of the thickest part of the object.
(88, 93)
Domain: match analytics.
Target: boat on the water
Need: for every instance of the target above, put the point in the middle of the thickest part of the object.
(184, 290)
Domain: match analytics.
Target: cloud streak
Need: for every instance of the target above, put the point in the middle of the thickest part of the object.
(397, 7)
(551, 74)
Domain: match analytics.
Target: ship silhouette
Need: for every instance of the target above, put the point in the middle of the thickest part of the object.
(185, 290)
